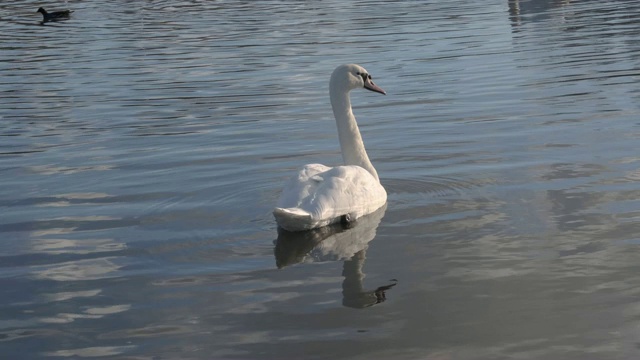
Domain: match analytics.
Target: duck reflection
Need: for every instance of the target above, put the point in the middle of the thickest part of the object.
(346, 242)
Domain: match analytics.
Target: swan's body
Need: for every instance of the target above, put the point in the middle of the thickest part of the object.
(319, 195)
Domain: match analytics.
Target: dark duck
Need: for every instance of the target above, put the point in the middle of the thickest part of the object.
(55, 15)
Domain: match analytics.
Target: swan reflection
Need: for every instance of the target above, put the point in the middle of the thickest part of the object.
(334, 243)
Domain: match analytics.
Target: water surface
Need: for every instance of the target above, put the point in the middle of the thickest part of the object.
(144, 144)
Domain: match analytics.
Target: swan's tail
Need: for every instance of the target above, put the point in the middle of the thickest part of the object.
(293, 219)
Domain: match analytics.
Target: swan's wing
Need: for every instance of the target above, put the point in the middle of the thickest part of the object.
(324, 193)
(346, 190)
(301, 185)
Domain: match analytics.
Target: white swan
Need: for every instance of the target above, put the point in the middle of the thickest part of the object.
(319, 195)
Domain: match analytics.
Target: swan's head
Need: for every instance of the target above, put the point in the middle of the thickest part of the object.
(352, 76)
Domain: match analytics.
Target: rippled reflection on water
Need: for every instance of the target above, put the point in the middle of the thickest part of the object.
(143, 145)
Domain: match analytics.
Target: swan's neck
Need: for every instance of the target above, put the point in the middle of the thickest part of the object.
(353, 151)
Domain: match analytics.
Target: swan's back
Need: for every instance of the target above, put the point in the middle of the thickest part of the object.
(319, 195)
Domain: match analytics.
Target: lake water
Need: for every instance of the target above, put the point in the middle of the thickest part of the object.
(144, 144)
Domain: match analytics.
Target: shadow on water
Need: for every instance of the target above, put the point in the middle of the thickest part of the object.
(347, 243)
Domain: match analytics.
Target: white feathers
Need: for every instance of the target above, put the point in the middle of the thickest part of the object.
(319, 195)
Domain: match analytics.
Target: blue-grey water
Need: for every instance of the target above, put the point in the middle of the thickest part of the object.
(143, 145)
